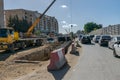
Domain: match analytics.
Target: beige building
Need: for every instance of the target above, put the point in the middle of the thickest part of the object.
(109, 30)
(1, 13)
(47, 23)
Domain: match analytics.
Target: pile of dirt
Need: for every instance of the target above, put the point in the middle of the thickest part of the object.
(35, 54)
(10, 70)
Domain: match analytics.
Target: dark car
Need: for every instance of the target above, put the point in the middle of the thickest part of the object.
(91, 37)
(85, 40)
(50, 40)
(104, 39)
(80, 36)
(64, 38)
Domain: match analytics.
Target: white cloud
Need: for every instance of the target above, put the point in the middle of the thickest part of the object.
(67, 25)
(63, 22)
(64, 6)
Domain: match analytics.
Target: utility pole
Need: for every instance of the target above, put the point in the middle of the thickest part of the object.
(1, 14)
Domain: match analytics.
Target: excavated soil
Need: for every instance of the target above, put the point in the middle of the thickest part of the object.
(10, 70)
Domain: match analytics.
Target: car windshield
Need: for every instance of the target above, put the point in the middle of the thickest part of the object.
(3, 33)
(86, 37)
(118, 38)
(106, 37)
(11, 32)
(50, 39)
(97, 37)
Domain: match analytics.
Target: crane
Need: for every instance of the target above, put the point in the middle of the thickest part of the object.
(10, 40)
(67, 31)
(29, 32)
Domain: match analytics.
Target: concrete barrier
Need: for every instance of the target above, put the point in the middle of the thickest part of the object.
(73, 48)
(57, 59)
(65, 45)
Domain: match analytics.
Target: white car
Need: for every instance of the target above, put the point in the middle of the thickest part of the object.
(113, 41)
(116, 49)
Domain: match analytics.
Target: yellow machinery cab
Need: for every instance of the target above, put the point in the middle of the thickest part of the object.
(7, 36)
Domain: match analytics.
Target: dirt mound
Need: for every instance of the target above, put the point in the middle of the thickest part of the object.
(33, 71)
(35, 54)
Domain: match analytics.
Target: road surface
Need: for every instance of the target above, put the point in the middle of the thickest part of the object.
(95, 63)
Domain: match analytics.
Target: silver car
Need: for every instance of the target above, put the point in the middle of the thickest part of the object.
(96, 38)
(113, 41)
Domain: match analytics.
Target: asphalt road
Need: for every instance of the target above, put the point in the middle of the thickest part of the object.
(95, 63)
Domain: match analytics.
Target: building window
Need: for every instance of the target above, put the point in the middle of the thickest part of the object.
(25, 13)
(25, 17)
(30, 15)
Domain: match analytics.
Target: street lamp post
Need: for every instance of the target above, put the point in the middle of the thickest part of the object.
(72, 32)
(71, 27)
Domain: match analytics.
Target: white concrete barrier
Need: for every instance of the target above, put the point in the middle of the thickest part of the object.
(57, 59)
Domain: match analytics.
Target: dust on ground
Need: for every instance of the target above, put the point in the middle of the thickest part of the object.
(36, 71)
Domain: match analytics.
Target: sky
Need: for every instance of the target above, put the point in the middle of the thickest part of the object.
(73, 12)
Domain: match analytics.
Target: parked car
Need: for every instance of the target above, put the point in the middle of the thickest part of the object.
(50, 40)
(64, 38)
(96, 38)
(116, 49)
(80, 36)
(91, 37)
(85, 39)
(113, 41)
(104, 39)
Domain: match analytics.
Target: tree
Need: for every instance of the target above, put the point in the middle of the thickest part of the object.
(80, 32)
(18, 25)
(37, 32)
(13, 22)
(90, 26)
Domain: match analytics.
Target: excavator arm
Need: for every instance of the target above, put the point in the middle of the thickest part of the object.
(29, 32)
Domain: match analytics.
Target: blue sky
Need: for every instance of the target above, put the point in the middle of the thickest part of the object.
(76, 12)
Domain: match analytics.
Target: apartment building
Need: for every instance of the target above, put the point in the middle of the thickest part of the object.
(46, 25)
(110, 30)
(1, 13)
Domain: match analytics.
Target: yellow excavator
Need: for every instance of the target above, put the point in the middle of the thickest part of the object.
(9, 39)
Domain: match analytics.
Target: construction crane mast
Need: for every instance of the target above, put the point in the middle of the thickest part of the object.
(29, 32)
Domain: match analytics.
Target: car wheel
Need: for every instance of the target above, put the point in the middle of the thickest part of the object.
(11, 48)
(23, 45)
(112, 47)
(108, 46)
(114, 53)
